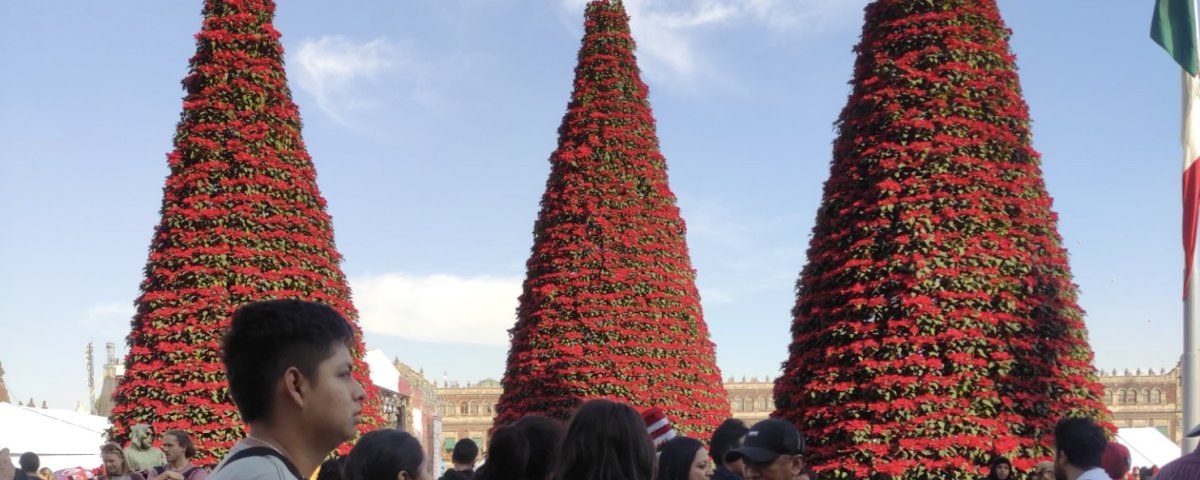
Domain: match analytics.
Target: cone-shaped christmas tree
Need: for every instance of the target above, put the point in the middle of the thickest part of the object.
(935, 322)
(242, 220)
(610, 306)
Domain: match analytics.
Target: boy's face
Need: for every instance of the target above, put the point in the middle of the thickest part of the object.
(333, 404)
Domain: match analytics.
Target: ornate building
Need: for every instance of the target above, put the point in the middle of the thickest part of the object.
(1146, 399)
(1136, 399)
(467, 412)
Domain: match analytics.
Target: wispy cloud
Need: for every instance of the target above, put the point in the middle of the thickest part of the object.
(437, 308)
(668, 31)
(334, 70)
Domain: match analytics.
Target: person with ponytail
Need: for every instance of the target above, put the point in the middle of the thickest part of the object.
(386, 454)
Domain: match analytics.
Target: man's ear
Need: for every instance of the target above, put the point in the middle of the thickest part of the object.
(403, 475)
(295, 385)
(797, 464)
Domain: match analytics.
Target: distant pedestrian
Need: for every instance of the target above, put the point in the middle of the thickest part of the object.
(726, 437)
(463, 459)
(178, 448)
(526, 450)
(683, 458)
(606, 440)
(387, 454)
(7, 470)
(116, 463)
(1116, 461)
(291, 377)
(1186, 467)
(1078, 447)
(1044, 471)
(29, 463)
(999, 468)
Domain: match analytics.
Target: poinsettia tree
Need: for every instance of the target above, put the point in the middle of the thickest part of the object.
(936, 321)
(242, 220)
(610, 306)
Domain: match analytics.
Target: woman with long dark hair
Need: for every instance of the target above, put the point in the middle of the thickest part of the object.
(386, 454)
(606, 440)
(684, 458)
(526, 450)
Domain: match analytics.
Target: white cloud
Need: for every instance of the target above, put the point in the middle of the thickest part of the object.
(111, 317)
(668, 31)
(333, 69)
(437, 308)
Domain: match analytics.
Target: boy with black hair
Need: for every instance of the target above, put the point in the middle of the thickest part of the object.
(725, 438)
(1078, 447)
(290, 374)
(465, 452)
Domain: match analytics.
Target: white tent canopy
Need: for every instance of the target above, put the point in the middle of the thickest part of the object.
(1148, 446)
(61, 438)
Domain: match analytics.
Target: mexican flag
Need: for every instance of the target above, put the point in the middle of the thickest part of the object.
(1174, 27)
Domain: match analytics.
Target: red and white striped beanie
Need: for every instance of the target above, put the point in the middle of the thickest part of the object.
(658, 426)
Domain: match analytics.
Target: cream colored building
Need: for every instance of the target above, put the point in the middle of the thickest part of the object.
(1136, 398)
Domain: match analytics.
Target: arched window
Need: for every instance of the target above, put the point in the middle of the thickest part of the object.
(1132, 397)
(1145, 396)
(464, 408)
(1108, 397)
(738, 404)
(474, 408)
(1156, 396)
(1121, 397)
(762, 403)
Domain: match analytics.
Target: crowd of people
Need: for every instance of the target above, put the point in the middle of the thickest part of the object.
(289, 369)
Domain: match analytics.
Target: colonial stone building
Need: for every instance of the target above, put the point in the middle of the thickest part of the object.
(1137, 399)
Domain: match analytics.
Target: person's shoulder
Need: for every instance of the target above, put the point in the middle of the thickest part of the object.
(252, 468)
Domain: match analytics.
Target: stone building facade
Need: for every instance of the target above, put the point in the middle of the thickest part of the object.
(1136, 398)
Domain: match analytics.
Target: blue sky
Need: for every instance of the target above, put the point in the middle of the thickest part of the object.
(430, 123)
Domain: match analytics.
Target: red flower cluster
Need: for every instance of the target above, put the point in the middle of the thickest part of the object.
(242, 220)
(936, 322)
(610, 307)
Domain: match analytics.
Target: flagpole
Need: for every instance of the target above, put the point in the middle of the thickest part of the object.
(1191, 309)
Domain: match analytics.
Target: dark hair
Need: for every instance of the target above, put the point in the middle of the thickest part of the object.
(331, 469)
(29, 462)
(465, 451)
(727, 437)
(266, 338)
(185, 441)
(996, 461)
(606, 440)
(382, 455)
(1081, 441)
(526, 450)
(675, 458)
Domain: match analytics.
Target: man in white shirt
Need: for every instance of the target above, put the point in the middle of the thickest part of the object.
(1078, 447)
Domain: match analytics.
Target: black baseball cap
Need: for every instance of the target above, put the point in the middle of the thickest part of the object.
(767, 440)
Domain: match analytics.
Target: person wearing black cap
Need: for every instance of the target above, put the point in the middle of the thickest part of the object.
(1185, 467)
(773, 450)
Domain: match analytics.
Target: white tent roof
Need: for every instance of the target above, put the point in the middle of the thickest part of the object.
(383, 373)
(1148, 446)
(61, 438)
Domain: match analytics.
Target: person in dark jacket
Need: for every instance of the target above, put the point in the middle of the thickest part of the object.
(465, 452)
(727, 437)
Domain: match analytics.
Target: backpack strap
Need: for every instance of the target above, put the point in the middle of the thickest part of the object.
(188, 473)
(265, 452)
